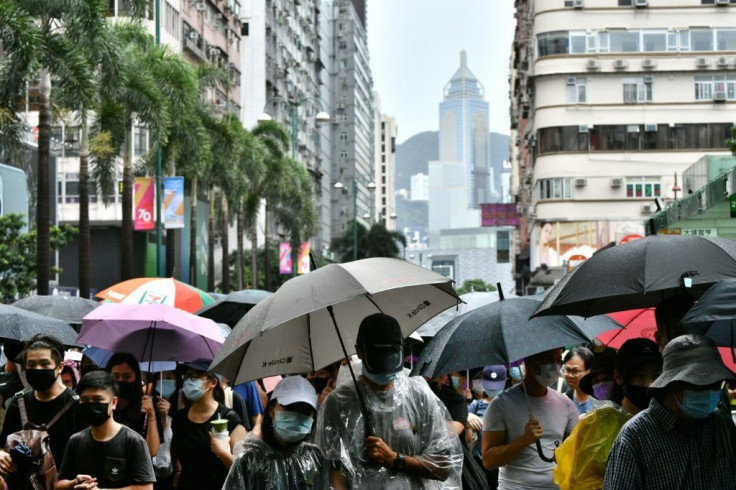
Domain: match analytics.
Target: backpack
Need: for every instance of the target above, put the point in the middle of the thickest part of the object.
(31, 452)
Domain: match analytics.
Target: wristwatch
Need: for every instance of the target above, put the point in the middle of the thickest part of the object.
(399, 462)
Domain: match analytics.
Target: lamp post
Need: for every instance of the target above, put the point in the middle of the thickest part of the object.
(421, 256)
(293, 105)
(371, 187)
(158, 171)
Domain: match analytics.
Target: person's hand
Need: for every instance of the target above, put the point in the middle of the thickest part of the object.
(84, 482)
(379, 452)
(475, 423)
(532, 431)
(6, 463)
(468, 394)
(163, 406)
(219, 446)
(147, 405)
(329, 388)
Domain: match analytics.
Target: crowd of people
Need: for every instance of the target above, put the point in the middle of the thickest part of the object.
(645, 416)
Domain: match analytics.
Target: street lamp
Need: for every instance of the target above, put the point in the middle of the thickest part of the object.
(421, 262)
(371, 187)
(293, 105)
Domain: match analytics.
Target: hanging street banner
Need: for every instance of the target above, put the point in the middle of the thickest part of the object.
(143, 203)
(303, 264)
(285, 258)
(174, 202)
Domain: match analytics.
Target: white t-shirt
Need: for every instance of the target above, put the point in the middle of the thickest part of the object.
(509, 412)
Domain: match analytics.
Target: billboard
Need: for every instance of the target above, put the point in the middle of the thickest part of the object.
(143, 194)
(174, 202)
(285, 258)
(557, 242)
(499, 215)
(303, 264)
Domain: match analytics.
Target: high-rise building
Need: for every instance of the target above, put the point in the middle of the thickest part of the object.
(351, 137)
(385, 165)
(610, 100)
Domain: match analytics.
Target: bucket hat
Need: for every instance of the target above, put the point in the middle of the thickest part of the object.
(692, 359)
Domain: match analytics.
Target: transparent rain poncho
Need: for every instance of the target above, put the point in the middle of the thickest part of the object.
(259, 466)
(408, 417)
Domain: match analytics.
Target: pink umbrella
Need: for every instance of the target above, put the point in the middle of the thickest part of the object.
(151, 331)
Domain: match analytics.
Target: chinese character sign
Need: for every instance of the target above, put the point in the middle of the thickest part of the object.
(143, 203)
(499, 215)
(174, 202)
(303, 264)
(285, 258)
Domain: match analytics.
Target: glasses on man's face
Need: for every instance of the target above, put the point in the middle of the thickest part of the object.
(194, 376)
(573, 373)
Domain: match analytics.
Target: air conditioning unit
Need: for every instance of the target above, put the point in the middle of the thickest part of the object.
(722, 2)
(649, 63)
(571, 80)
(617, 182)
(583, 128)
(193, 35)
(702, 62)
(648, 208)
(650, 128)
(641, 3)
(592, 65)
(213, 52)
(581, 182)
(722, 61)
(719, 96)
(531, 141)
(578, 4)
(648, 79)
(200, 6)
(620, 64)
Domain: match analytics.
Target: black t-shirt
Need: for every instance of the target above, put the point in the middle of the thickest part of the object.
(454, 402)
(41, 413)
(119, 462)
(200, 468)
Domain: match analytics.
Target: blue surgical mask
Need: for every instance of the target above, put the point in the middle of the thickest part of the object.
(291, 426)
(455, 381)
(491, 393)
(193, 390)
(515, 373)
(380, 379)
(699, 404)
(603, 390)
(167, 388)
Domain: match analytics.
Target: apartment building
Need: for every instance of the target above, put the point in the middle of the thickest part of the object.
(385, 133)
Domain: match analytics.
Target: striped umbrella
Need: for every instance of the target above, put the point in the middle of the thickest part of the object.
(157, 290)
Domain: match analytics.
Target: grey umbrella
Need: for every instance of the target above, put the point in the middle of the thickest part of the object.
(20, 325)
(470, 300)
(70, 309)
(234, 306)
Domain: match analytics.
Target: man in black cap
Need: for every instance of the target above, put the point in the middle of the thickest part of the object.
(407, 441)
(678, 442)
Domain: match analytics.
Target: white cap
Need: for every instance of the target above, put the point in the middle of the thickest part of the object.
(295, 389)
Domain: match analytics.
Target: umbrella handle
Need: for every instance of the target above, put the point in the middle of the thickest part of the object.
(363, 408)
(541, 453)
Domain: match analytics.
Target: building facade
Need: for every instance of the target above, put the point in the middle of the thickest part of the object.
(385, 132)
(604, 116)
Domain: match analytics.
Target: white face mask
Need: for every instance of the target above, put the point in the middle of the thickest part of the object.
(549, 373)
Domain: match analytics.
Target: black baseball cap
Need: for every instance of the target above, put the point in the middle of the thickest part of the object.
(381, 344)
(636, 351)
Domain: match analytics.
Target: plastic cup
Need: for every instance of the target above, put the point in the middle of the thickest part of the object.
(219, 427)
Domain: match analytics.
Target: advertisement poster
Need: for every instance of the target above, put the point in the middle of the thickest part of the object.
(285, 258)
(558, 242)
(174, 202)
(143, 203)
(499, 215)
(303, 264)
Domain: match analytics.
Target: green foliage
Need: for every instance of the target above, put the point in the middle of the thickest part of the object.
(731, 142)
(475, 285)
(18, 255)
(277, 279)
(376, 242)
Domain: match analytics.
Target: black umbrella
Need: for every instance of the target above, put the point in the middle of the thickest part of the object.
(20, 325)
(640, 274)
(714, 315)
(234, 306)
(70, 309)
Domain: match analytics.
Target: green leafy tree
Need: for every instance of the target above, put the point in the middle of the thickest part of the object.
(18, 265)
(376, 242)
(475, 285)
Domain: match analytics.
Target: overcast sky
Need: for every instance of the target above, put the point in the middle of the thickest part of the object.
(415, 49)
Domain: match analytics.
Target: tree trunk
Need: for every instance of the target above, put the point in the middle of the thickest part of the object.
(170, 252)
(43, 210)
(211, 243)
(240, 265)
(266, 261)
(254, 254)
(126, 232)
(224, 221)
(193, 235)
(84, 229)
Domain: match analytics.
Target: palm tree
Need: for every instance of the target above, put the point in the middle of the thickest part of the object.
(376, 242)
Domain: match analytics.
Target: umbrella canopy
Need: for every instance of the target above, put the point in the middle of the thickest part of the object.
(470, 302)
(714, 315)
(293, 332)
(101, 357)
(157, 290)
(500, 333)
(640, 274)
(70, 309)
(20, 325)
(234, 306)
(155, 332)
(635, 323)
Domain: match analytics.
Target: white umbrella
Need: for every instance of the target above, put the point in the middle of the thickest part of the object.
(470, 302)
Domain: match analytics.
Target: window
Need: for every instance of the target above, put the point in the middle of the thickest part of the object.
(726, 39)
(678, 41)
(624, 41)
(343, 45)
(624, 3)
(502, 246)
(578, 42)
(344, 136)
(344, 154)
(654, 40)
(701, 39)
(444, 267)
(551, 43)
(577, 90)
(555, 188)
(637, 90)
(707, 86)
(643, 187)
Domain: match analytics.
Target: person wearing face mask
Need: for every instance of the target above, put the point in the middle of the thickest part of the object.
(679, 441)
(491, 382)
(520, 416)
(324, 381)
(42, 361)
(409, 446)
(200, 458)
(282, 458)
(107, 454)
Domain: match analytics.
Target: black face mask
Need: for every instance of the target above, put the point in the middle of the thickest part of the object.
(41, 379)
(638, 395)
(93, 413)
(319, 384)
(125, 389)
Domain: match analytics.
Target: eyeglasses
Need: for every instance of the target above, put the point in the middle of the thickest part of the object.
(194, 376)
(574, 373)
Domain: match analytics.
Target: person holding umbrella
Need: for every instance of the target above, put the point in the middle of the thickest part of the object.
(405, 443)
(679, 442)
